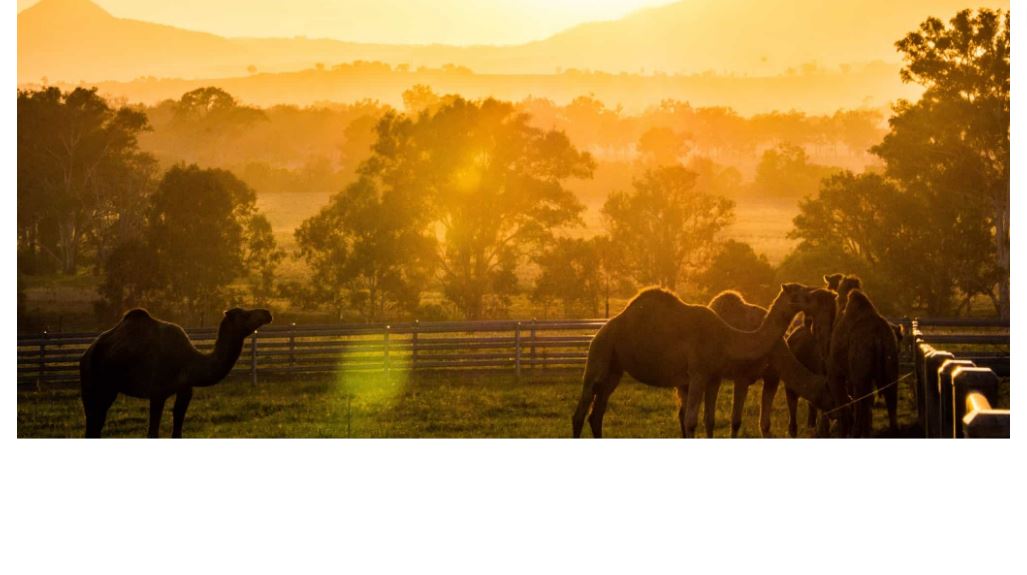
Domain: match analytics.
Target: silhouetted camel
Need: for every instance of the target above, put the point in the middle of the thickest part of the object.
(733, 309)
(664, 342)
(864, 354)
(152, 359)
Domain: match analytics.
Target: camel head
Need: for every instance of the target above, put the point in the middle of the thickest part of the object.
(241, 323)
(832, 281)
(792, 299)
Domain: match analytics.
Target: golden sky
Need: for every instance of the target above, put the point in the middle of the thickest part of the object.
(388, 21)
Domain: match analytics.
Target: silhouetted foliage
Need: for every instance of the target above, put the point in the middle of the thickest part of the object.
(79, 172)
(492, 185)
(786, 172)
(951, 147)
(933, 233)
(369, 250)
(736, 266)
(571, 272)
(202, 231)
(664, 229)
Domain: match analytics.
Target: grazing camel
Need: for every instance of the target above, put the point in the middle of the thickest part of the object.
(152, 359)
(661, 341)
(736, 312)
(864, 353)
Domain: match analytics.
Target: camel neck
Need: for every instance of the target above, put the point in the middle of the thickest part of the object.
(215, 366)
(750, 345)
(810, 386)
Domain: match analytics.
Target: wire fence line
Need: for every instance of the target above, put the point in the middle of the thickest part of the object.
(508, 345)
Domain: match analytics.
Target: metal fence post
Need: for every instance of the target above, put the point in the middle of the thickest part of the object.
(386, 349)
(292, 345)
(532, 345)
(42, 361)
(413, 345)
(517, 350)
(253, 358)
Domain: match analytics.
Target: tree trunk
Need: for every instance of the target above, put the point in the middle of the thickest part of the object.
(1002, 252)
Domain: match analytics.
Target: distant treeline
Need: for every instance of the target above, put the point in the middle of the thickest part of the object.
(318, 148)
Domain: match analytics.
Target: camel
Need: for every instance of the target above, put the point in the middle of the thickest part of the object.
(864, 353)
(734, 310)
(152, 359)
(661, 341)
(842, 284)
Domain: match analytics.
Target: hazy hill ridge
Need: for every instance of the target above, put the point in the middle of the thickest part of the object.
(76, 40)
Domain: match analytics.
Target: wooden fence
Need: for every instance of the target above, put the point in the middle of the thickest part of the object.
(513, 346)
(481, 345)
(956, 391)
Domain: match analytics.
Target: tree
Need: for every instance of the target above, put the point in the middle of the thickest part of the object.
(664, 229)
(786, 172)
(662, 146)
(206, 120)
(736, 266)
(571, 272)
(196, 232)
(79, 166)
(882, 232)
(369, 249)
(261, 258)
(951, 147)
(492, 185)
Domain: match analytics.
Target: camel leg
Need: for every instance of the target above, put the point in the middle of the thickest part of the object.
(696, 390)
(588, 397)
(96, 405)
(710, 405)
(770, 384)
(681, 393)
(595, 420)
(891, 399)
(182, 399)
(811, 416)
(738, 405)
(793, 412)
(156, 410)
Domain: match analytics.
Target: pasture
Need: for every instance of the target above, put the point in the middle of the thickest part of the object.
(411, 405)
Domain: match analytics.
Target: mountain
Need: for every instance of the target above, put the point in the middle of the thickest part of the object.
(75, 40)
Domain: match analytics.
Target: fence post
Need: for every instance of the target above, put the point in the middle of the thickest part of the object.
(253, 358)
(932, 363)
(386, 348)
(533, 345)
(971, 379)
(413, 345)
(42, 361)
(945, 404)
(292, 345)
(517, 350)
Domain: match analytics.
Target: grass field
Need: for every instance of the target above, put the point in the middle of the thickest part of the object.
(418, 405)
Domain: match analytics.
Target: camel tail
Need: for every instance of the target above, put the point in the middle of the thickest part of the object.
(597, 367)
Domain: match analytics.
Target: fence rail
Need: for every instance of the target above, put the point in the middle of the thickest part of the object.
(516, 346)
(955, 394)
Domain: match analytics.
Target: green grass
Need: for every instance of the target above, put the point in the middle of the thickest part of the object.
(407, 405)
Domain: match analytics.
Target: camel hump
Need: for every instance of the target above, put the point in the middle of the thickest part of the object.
(137, 313)
(728, 297)
(654, 294)
(859, 303)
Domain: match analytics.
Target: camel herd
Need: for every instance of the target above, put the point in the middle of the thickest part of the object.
(840, 350)
(838, 354)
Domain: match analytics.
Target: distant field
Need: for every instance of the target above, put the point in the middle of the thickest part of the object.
(421, 405)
